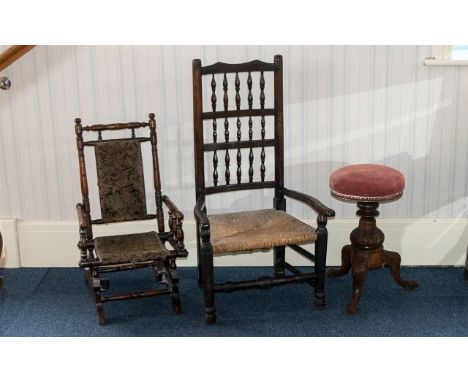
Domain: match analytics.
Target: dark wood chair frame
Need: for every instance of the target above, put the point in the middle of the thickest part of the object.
(165, 270)
(204, 247)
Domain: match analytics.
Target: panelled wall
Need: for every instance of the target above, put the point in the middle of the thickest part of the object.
(343, 104)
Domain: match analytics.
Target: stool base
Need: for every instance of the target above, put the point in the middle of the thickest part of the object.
(365, 253)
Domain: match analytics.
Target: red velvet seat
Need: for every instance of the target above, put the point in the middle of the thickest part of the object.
(367, 182)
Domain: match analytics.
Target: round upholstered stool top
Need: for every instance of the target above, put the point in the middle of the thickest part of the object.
(367, 182)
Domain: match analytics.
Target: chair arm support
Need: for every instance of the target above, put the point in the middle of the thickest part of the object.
(83, 222)
(201, 216)
(204, 225)
(315, 204)
(175, 223)
(172, 207)
(81, 216)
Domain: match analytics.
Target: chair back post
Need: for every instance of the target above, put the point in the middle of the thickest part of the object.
(279, 200)
(198, 128)
(156, 176)
(83, 176)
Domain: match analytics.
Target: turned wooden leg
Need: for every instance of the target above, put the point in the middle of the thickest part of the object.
(88, 276)
(320, 261)
(359, 272)
(99, 305)
(95, 284)
(208, 288)
(206, 260)
(172, 280)
(346, 253)
(393, 260)
(199, 262)
(100, 313)
(278, 261)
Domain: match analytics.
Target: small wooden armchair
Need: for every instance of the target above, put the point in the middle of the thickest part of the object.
(119, 170)
(247, 231)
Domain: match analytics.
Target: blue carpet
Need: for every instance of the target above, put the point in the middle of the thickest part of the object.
(56, 302)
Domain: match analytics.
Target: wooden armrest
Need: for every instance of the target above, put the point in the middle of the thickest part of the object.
(81, 216)
(315, 204)
(172, 207)
(201, 217)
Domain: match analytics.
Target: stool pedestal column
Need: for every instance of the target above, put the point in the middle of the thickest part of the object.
(366, 252)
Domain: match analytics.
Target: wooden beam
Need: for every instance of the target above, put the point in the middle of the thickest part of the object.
(12, 54)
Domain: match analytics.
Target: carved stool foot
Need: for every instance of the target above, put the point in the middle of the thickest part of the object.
(360, 268)
(393, 260)
(346, 254)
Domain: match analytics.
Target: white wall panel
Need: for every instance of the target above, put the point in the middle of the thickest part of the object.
(343, 104)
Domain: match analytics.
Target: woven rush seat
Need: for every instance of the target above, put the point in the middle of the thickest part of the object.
(131, 248)
(248, 231)
(367, 182)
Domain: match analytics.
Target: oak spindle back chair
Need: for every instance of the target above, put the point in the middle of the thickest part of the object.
(247, 231)
(119, 170)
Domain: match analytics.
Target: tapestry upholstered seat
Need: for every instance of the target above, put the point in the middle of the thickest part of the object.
(132, 248)
(239, 142)
(257, 230)
(123, 198)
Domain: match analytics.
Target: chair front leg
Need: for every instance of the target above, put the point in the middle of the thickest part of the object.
(206, 259)
(320, 260)
(200, 275)
(278, 260)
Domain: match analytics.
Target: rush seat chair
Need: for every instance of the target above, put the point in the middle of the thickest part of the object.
(246, 231)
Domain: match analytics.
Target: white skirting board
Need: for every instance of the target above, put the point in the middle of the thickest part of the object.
(440, 242)
(9, 258)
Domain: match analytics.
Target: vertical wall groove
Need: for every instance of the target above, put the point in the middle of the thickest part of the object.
(342, 105)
